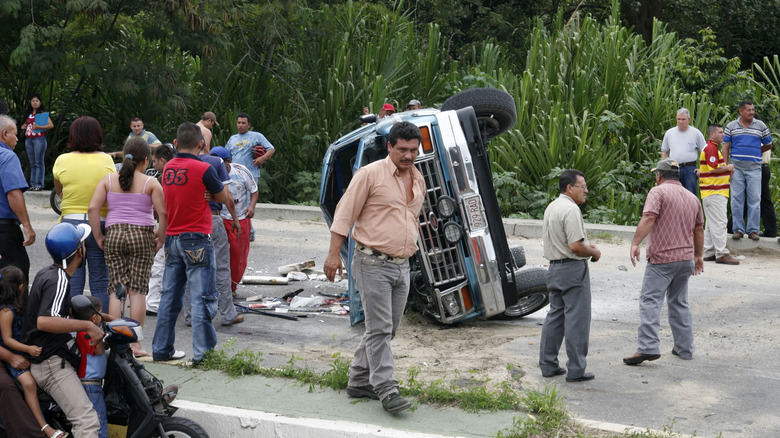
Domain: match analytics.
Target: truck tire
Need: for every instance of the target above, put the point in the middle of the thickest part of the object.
(180, 427)
(532, 294)
(493, 106)
(518, 256)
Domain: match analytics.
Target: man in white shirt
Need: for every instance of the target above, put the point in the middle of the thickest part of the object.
(683, 144)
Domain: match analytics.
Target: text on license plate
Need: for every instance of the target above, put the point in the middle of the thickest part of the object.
(474, 212)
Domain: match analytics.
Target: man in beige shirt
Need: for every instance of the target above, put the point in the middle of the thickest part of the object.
(383, 201)
(568, 280)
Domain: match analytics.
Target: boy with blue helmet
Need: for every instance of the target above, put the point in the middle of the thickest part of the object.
(47, 325)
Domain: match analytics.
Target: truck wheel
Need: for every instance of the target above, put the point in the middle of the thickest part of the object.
(532, 294)
(55, 201)
(493, 106)
(518, 255)
(180, 427)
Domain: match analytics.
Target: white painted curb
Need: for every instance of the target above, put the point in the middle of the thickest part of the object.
(221, 421)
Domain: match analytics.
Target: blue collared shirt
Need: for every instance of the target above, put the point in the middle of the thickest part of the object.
(12, 179)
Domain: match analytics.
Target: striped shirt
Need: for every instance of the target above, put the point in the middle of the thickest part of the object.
(712, 183)
(146, 135)
(746, 142)
(677, 212)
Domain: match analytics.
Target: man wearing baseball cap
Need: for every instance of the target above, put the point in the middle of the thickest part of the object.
(206, 124)
(673, 220)
(387, 109)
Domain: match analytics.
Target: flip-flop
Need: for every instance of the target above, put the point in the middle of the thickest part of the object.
(140, 354)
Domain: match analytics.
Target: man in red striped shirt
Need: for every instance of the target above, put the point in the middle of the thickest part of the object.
(714, 175)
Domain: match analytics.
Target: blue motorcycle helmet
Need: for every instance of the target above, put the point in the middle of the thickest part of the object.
(64, 239)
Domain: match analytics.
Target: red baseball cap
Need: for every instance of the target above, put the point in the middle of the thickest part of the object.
(388, 107)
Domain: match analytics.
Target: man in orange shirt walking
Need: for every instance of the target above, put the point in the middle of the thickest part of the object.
(383, 201)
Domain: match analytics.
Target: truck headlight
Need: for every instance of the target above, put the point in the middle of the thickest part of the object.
(451, 305)
(446, 206)
(452, 232)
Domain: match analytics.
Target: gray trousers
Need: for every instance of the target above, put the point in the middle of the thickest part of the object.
(670, 280)
(221, 244)
(383, 287)
(64, 386)
(715, 236)
(568, 317)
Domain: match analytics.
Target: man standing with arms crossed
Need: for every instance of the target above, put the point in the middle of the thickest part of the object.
(189, 262)
(745, 140)
(383, 201)
(673, 219)
(568, 280)
(714, 175)
(13, 209)
(683, 143)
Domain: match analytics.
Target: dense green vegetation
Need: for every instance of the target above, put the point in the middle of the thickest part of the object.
(591, 93)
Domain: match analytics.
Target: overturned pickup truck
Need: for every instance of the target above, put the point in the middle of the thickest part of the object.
(464, 267)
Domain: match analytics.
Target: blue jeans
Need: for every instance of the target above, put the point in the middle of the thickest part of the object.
(189, 264)
(689, 180)
(98, 271)
(95, 394)
(746, 180)
(36, 152)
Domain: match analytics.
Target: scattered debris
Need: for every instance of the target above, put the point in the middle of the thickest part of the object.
(622, 268)
(295, 267)
(263, 279)
(297, 276)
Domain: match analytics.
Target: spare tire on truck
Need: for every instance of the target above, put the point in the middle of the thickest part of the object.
(494, 108)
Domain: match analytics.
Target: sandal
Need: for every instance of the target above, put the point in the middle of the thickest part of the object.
(57, 433)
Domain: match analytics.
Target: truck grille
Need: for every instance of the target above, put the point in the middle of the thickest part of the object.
(443, 262)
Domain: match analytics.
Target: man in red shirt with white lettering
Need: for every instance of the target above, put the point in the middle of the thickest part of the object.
(190, 259)
(673, 219)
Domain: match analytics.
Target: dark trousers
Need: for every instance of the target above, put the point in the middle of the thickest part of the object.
(17, 419)
(768, 218)
(12, 248)
(767, 206)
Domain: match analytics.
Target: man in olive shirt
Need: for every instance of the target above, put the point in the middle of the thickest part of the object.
(568, 280)
(383, 201)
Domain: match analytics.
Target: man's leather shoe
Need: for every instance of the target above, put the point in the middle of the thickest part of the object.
(639, 358)
(558, 372)
(727, 260)
(764, 234)
(584, 378)
(395, 403)
(737, 235)
(709, 259)
(239, 319)
(753, 236)
(366, 391)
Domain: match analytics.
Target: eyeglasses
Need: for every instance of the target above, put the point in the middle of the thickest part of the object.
(584, 186)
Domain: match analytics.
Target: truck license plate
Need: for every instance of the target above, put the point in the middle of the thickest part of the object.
(474, 212)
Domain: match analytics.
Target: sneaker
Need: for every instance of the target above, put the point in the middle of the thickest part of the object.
(178, 355)
(394, 403)
(753, 236)
(727, 260)
(737, 235)
(365, 391)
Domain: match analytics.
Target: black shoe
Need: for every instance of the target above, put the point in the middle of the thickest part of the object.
(150, 313)
(764, 234)
(394, 403)
(558, 372)
(709, 259)
(365, 391)
(674, 352)
(584, 378)
(639, 358)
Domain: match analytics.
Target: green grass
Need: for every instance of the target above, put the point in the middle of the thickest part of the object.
(605, 236)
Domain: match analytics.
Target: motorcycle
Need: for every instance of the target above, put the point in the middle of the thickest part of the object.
(135, 399)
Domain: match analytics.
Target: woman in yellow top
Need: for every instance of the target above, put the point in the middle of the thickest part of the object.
(76, 175)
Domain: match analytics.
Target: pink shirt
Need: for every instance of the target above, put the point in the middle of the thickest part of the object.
(677, 212)
(376, 203)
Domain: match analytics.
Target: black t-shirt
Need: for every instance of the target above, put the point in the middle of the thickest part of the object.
(49, 296)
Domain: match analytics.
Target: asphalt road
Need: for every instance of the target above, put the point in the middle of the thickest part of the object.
(731, 386)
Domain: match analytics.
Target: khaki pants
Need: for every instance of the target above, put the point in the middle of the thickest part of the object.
(64, 386)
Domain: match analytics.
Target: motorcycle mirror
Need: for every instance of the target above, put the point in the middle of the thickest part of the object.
(120, 293)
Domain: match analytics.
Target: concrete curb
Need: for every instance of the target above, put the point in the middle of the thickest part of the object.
(243, 423)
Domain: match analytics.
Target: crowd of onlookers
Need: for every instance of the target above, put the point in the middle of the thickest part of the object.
(187, 228)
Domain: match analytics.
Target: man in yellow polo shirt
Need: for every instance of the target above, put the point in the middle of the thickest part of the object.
(714, 176)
